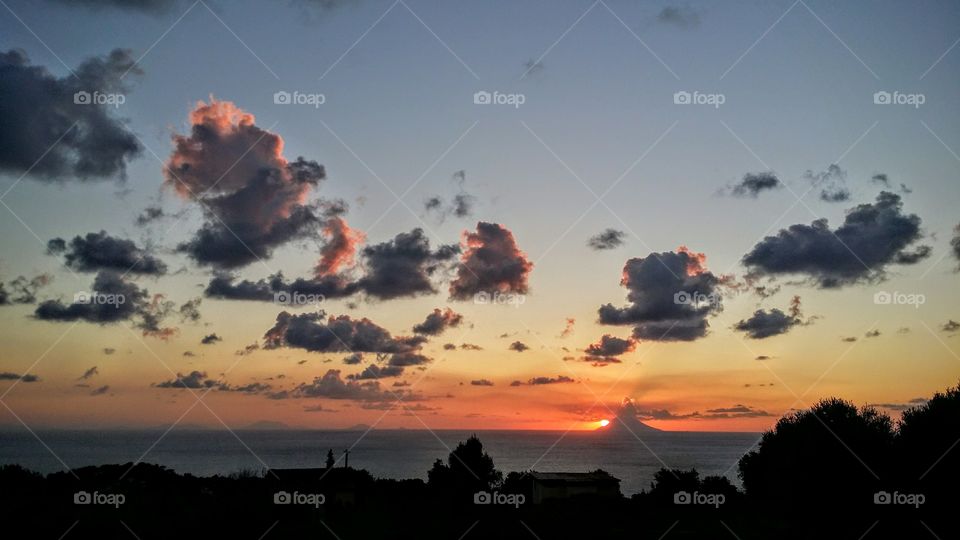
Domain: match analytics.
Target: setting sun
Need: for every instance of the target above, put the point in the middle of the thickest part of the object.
(604, 423)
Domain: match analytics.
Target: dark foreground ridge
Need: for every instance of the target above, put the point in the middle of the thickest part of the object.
(834, 471)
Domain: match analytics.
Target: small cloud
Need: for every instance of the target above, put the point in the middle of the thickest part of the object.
(88, 373)
(100, 391)
(681, 17)
(606, 239)
(210, 339)
(518, 346)
(481, 382)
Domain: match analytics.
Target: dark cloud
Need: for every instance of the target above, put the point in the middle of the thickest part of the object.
(146, 6)
(374, 371)
(311, 332)
(763, 357)
(22, 290)
(537, 381)
(152, 316)
(331, 386)
(670, 294)
(950, 326)
(763, 324)
(193, 380)
(611, 346)
(461, 205)
(470, 347)
(449, 347)
(109, 350)
(872, 334)
(607, 239)
(45, 133)
(403, 266)
(437, 321)
(955, 242)
(491, 263)
(100, 251)
(832, 183)
(248, 350)
(518, 346)
(481, 382)
(682, 17)
(274, 289)
(88, 373)
(755, 183)
(210, 339)
(872, 236)
(28, 378)
(100, 391)
(190, 310)
(254, 200)
(149, 215)
(353, 359)
(105, 308)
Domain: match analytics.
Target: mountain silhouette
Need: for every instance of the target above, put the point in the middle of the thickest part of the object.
(626, 422)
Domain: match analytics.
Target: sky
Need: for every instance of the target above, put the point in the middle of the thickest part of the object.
(701, 215)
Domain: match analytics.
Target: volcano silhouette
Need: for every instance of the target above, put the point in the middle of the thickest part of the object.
(627, 422)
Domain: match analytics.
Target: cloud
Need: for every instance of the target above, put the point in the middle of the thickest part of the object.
(611, 346)
(353, 359)
(100, 391)
(27, 378)
(491, 262)
(481, 382)
(22, 290)
(832, 183)
(45, 134)
(100, 251)
(568, 328)
(224, 286)
(538, 381)
(88, 373)
(403, 266)
(331, 386)
(149, 215)
(109, 350)
(955, 242)
(438, 321)
(190, 310)
(194, 380)
(461, 205)
(340, 248)
(763, 324)
(682, 17)
(763, 357)
(872, 237)
(153, 7)
(755, 183)
(872, 334)
(518, 346)
(665, 293)
(607, 239)
(110, 288)
(310, 332)
(470, 347)
(254, 200)
(210, 339)
(720, 413)
(374, 371)
(950, 326)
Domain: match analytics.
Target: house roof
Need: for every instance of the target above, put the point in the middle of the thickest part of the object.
(573, 477)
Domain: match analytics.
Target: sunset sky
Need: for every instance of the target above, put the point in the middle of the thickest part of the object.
(552, 232)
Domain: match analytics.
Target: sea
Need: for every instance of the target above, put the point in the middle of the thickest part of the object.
(384, 453)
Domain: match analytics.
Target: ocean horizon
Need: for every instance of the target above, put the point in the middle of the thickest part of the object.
(385, 453)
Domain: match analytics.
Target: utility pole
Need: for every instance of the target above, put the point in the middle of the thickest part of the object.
(346, 459)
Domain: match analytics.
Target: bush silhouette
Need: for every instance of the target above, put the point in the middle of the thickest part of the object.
(468, 470)
(928, 453)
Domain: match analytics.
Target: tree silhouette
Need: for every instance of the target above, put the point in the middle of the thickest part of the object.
(330, 461)
(468, 470)
(927, 449)
(831, 456)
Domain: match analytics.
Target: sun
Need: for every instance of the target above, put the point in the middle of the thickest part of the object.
(604, 423)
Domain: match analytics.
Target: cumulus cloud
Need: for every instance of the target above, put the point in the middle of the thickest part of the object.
(22, 290)
(753, 184)
(149, 215)
(666, 297)
(518, 346)
(100, 251)
(253, 198)
(491, 262)
(872, 237)
(611, 346)
(43, 131)
(332, 386)
(437, 321)
(194, 380)
(763, 324)
(340, 248)
(108, 308)
(832, 183)
(681, 17)
(606, 239)
(374, 371)
(403, 266)
(190, 310)
(309, 331)
(210, 339)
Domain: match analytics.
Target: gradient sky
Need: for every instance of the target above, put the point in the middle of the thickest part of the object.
(798, 80)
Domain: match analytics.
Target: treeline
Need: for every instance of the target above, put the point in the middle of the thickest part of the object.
(833, 471)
